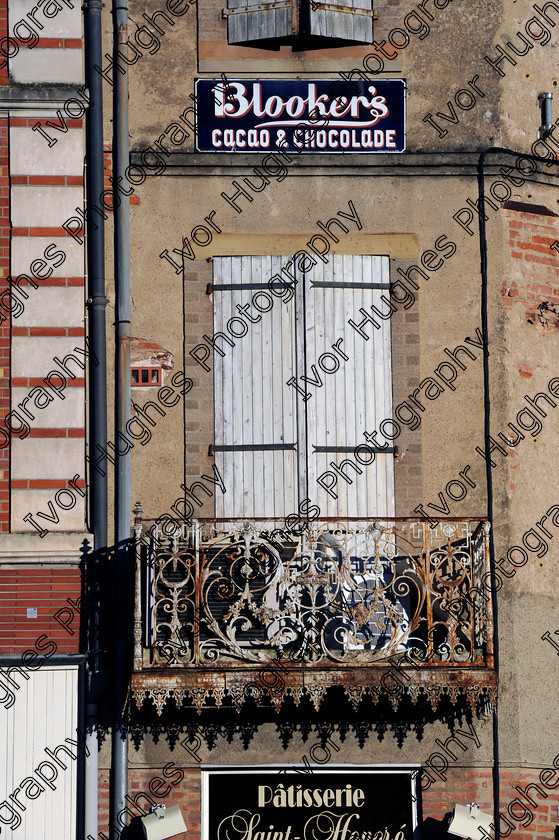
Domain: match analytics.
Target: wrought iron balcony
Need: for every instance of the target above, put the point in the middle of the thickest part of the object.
(336, 602)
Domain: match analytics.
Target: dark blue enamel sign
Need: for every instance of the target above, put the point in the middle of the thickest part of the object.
(325, 116)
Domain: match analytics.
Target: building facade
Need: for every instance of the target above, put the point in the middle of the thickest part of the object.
(44, 358)
(326, 306)
(343, 254)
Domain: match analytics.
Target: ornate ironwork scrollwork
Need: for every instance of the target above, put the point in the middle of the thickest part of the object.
(346, 593)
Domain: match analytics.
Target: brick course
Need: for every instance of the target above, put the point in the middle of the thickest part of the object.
(408, 470)
(47, 590)
(524, 821)
(5, 342)
(534, 279)
(183, 792)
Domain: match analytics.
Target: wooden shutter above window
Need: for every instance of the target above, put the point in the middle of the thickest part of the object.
(250, 20)
(305, 24)
(346, 20)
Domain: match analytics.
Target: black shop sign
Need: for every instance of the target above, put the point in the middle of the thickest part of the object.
(325, 116)
(345, 803)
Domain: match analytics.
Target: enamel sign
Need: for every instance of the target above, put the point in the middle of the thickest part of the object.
(326, 116)
(353, 803)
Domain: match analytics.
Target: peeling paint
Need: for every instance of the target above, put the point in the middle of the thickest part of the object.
(148, 352)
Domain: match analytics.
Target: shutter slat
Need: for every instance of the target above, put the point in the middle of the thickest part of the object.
(254, 447)
(258, 353)
(299, 344)
(287, 354)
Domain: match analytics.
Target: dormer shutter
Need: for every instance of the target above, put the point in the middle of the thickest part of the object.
(346, 20)
(250, 20)
(305, 24)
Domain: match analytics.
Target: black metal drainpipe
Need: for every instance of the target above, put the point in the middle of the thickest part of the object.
(123, 506)
(487, 445)
(97, 409)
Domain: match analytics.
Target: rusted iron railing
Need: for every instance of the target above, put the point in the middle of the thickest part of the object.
(217, 594)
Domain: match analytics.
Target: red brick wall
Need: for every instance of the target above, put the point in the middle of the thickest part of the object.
(460, 785)
(48, 591)
(537, 807)
(530, 238)
(533, 820)
(184, 792)
(5, 325)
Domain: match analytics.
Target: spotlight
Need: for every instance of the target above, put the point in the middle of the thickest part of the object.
(470, 822)
(163, 822)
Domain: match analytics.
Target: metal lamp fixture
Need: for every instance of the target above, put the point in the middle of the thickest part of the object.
(544, 101)
(470, 822)
(163, 822)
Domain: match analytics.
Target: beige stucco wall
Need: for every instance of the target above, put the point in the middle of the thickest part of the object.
(402, 214)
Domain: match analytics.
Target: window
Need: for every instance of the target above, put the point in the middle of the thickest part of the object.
(305, 24)
(296, 386)
(143, 377)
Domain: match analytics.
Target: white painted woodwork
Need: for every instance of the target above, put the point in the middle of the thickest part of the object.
(358, 396)
(254, 404)
(43, 715)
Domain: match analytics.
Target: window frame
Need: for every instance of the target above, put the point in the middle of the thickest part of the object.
(141, 369)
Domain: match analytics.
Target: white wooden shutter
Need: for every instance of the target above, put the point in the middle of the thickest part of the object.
(255, 409)
(271, 445)
(348, 20)
(358, 396)
(45, 712)
(251, 20)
